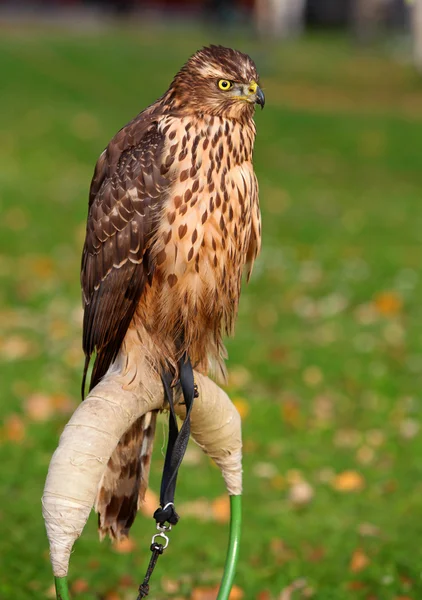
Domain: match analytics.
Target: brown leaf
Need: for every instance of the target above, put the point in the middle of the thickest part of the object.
(356, 585)
(14, 429)
(79, 586)
(221, 509)
(264, 595)
(15, 347)
(150, 504)
(388, 303)
(348, 481)
(126, 581)
(281, 551)
(290, 412)
(359, 561)
(112, 595)
(124, 545)
(39, 407)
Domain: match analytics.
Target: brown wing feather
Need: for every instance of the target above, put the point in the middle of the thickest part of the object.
(127, 192)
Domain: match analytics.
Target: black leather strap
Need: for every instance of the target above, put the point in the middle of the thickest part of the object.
(177, 442)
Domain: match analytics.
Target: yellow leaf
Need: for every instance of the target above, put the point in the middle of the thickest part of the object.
(388, 303)
(348, 481)
(242, 407)
(210, 593)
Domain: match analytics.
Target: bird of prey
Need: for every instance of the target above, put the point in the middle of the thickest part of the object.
(173, 222)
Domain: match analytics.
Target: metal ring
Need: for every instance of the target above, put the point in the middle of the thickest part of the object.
(168, 504)
(163, 527)
(162, 535)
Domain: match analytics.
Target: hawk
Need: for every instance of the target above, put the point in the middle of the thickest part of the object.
(173, 222)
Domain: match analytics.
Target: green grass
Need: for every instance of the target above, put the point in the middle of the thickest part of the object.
(328, 349)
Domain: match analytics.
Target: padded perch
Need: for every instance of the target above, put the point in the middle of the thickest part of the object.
(90, 437)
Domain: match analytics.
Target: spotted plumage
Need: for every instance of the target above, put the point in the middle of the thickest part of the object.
(173, 221)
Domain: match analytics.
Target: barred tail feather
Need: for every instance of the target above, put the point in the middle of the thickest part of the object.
(125, 481)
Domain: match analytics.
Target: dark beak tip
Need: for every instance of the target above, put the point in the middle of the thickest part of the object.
(260, 98)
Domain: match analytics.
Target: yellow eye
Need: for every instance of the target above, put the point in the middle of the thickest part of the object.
(224, 84)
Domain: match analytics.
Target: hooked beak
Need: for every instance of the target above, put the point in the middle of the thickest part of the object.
(259, 97)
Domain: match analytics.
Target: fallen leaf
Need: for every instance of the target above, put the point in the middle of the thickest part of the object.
(15, 347)
(347, 438)
(79, 586)
(356, 585)
(42, 267)
(359, 561)
(287, 593)
(170, 586)
(242, 407)
(281, 551)
(14, 428)
(388, 303)
(290, 412)
(236, 593)
(112, 595)
(126, 581)
(409, 428)
(239, 376)
(200, 509)
(301, 493)
(210, 593)
(294, 476)
(265, 470)
(369, 530)
(315, 554)
(51, 591)
(375, 437)
(312, 376)
(39, 407)
(221, 509)
(150, 503)
(264, 595)
(124, 545)
(348, 481)
(365, 455)
(278, 482)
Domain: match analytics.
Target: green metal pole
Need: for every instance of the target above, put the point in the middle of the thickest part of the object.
(62, 590)
(233, 549)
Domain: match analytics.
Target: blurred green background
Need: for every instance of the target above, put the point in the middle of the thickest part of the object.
(326, 364)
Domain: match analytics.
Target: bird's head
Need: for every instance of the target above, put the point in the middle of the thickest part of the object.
(218, 81)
